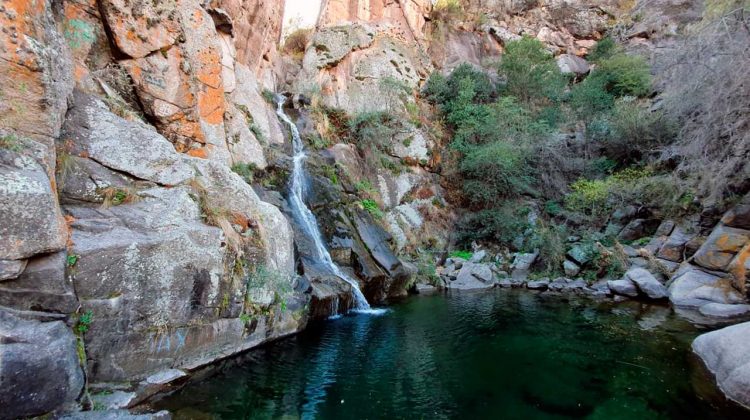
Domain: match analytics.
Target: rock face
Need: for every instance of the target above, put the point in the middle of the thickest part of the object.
(407, 18)
(726, 353)
(40, 370)
(348, 63)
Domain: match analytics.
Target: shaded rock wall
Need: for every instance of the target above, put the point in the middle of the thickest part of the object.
(118, 126)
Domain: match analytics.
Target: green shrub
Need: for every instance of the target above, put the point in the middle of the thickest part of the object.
(494, 171)
(246, 171)
(590, 98)
(464, 255)
(550, 240)
(330, 173)
(624, 75)
(373, 129)
(636, 131)
(10, 142)
(372, 207)
(603, 49)
(426, 268)
(531, 72)
(442, 90)
(502, 224)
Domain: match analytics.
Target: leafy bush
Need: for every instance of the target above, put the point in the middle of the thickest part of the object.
(531, 72)
(442, 90)
(636, 131)
(603, 49)
(373, 129)
(494, 171)
(372, 207)
(550, 240)
(246, 171)
(10, 142)
(503, 224)
(464, 255)
(624, 75)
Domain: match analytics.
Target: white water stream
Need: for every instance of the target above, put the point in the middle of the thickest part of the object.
(306, 218)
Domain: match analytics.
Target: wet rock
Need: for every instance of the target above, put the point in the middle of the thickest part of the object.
(693, 287)
(540, 284)
(39, 370)
(115, 415)
(726, 354)
(647, 283)
(723, 310)
(623, 287)
(114, 400)
(424, 289)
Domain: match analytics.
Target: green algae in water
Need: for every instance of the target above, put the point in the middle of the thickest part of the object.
(499, 355)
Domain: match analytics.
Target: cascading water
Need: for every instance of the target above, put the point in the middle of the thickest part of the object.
(305, 217)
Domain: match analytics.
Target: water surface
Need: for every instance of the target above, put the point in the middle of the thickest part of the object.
(493, 355)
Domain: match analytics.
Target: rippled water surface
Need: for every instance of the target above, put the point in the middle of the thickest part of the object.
(494, 355)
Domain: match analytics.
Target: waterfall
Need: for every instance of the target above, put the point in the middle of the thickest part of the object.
(305, 217)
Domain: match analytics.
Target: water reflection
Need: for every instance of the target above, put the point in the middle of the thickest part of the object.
(504, 354)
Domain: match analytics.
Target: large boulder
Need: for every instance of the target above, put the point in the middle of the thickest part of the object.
(39, 368)
(739, 215)
(693, 287)
(346, 61)
(647, 283)
(726, 354)
(673, 248)
(623, 287)
(721, 247)
(473, 276)
(571, 64)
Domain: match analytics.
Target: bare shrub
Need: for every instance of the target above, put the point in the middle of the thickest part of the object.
(296, 42)
(707, 91)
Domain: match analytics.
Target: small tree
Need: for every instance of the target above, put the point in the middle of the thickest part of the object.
(531, 72)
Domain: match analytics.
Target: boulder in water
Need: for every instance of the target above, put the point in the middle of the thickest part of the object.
(726, 354)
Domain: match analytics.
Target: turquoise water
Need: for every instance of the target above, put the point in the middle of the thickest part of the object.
(493, 355)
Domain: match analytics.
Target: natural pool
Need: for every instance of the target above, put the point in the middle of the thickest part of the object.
(494, 355)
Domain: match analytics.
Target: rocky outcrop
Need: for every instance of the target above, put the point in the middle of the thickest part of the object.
(717, 272)
(348, 64)
(40, 370)
(726, 354)
(405, 18)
